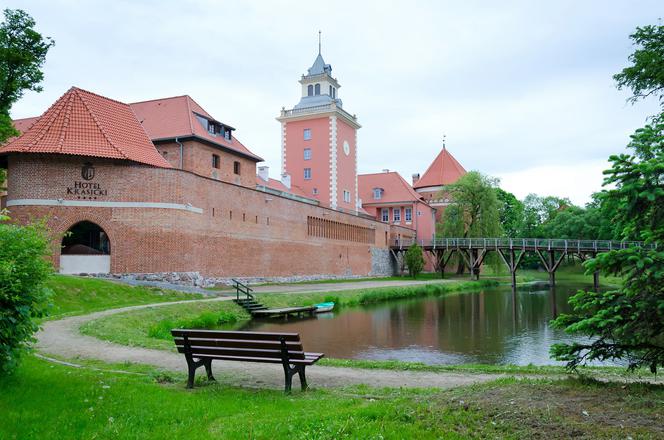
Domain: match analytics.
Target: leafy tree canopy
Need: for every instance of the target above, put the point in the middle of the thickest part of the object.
(510, 212)
(474, 211)
(22, 54)
(414, 260)
(646, 74)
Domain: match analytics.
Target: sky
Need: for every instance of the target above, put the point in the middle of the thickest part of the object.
(523, 91)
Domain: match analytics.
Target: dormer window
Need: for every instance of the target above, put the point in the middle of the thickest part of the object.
(377, 193)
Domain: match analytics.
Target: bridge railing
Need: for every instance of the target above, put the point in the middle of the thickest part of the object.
(523, 243)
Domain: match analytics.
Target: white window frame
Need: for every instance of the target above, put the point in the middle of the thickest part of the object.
(307, 134)
(377, 193)
(307, 174)
(385, 215)
(408, 214)
(396, 215)
(346, 196)
(307, 154)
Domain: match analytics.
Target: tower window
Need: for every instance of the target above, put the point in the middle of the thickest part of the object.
(236, 167)
(307, 174)
(317, 89)
(307, 134)
(215, 161)
(330, 91)
(346, 196)
(310, 90)
(307, 154)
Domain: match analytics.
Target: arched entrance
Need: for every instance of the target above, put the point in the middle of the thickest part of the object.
(85, 249)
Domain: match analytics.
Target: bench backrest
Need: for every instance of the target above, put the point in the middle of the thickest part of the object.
(258, 345)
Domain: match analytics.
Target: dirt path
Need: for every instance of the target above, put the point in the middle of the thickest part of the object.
(62, 338)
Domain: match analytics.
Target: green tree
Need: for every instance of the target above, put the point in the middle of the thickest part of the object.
(23, 297)
(22, 54)
(414, 260)
(474, 211)
(628, 323)
(646, 74)
(510, 212)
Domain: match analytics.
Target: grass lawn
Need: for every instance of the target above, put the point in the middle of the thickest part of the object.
(51, 401)
(78, 296)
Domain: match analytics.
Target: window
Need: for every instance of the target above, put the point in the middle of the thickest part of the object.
(307, 154)
(307, 134)
(330, 91)
(236, 167)
(215, 161)
(346, 196)
(317, 89)
(377, 193)
(396, 212)
(408, 214)
(385, 214)
(307, 174)
(310, 90)
(315, 191)
(334, 92)
(210, 128)
(227, 135)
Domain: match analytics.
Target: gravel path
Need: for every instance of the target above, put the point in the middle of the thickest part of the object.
(62, 338)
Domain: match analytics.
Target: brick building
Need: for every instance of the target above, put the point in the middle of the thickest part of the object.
(162, 186)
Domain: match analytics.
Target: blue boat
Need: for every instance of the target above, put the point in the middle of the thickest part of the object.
(324, 307)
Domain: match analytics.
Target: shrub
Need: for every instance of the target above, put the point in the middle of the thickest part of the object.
(23, 297)
(414, 260)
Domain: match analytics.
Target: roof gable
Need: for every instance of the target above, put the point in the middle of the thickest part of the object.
(395, 188)
(444, 170)
(86, 124)
(169, 118)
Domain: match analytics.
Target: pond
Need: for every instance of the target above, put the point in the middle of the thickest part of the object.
(492, 326)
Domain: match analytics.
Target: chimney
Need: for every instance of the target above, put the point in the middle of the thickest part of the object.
(416, 178)
(385, 170)
(264, 172)
(285, 179)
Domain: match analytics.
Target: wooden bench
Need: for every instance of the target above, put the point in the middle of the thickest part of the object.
(200, 347)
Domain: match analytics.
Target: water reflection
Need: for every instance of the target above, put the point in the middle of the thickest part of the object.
(495, 326)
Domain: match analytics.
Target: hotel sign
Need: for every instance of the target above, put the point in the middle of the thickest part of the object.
(86, 189)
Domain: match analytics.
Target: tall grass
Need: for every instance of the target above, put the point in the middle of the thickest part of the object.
(206, 320)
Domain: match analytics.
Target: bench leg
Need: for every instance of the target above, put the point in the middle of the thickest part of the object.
(288, 375)
(303, 379)
(208, 369)
(192, 374)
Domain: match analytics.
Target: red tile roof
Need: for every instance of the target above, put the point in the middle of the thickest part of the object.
(24, 124)
(444, 170)
(173, 117)
(85, 124)
(395, 188)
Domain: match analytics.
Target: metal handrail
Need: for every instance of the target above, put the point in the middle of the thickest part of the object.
(243, 288)
(522, 243)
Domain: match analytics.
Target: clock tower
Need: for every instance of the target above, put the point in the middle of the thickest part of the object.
(319, 141)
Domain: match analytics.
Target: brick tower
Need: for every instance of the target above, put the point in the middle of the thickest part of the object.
(319, 141)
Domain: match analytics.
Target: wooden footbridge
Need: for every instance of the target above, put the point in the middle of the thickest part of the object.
(551, 252)
(246, 299)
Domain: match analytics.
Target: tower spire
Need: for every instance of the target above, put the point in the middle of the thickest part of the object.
(444, 138)
(319, 32)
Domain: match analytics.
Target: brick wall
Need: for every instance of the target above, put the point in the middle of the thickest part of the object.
(198, 159)
(241, 231)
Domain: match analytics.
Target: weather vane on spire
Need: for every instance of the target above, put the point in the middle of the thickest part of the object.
(444, 138)
(319, 32)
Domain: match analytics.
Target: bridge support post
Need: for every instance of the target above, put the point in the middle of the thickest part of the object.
(551, 264)
(512, 264)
